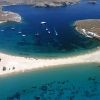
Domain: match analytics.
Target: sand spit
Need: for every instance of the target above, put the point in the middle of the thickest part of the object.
(11, 64)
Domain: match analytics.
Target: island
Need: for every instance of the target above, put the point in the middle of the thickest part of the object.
(89, 28)
(43, 3)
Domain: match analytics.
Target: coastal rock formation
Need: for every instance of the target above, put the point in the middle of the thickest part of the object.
(44, 3)
(6, 16)
(89, 28)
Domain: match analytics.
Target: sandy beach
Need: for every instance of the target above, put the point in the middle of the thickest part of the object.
(12, 64)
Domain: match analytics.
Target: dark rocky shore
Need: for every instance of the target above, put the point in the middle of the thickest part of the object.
(42, 3)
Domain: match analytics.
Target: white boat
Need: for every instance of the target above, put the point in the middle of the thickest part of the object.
(56, 33)
(12, 28)
(47, 29)
(2, 30)
(23, 35)
(49, 32)
(43, 22)
(19, 32)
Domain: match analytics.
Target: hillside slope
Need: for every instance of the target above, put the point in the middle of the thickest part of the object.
(43, 3)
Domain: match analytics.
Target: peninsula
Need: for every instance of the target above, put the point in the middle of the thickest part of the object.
(89, 28)
(43, 3)
(11, 64)
(6, 16)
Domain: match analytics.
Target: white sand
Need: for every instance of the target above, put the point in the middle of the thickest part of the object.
(22, 64)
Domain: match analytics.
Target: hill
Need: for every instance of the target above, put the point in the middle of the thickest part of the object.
(42, 3)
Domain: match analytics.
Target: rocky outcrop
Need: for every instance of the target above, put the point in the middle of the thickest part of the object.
(44, 3)
(6, 16)
(89, 28)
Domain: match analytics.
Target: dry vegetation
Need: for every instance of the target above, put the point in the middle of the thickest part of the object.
(92, 25)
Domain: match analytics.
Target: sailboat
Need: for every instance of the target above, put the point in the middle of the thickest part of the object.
(56, 33)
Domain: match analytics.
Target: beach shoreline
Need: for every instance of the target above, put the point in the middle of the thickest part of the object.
(14, 64)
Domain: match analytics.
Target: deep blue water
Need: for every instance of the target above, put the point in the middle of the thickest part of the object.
(74, 82)
(38, 42)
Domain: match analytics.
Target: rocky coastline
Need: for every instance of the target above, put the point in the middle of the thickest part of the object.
(89, 28)
(7, 16)
(43, 3)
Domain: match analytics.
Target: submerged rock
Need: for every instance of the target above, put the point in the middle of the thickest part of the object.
(44, 88)
(16, 96)
(37, 97)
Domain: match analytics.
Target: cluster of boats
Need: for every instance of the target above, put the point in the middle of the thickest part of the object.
(42, 23)
(12, 28)
(56, 33)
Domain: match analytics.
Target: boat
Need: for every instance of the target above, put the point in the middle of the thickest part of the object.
(47, 29)
(49, 32)
(12, 28)
(2, 30)
(56, 33)
(23, 35)
(19, 32)
(43, 22)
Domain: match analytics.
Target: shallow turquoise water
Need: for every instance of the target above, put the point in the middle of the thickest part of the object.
(79, 82)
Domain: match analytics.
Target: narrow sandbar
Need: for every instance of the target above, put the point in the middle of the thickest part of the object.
(11, 64)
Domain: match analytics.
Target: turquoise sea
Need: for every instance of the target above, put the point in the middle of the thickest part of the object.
(56, 38)
(73, 82)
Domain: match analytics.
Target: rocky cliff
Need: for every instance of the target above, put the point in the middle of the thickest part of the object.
(43, 3)
(6, 16)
